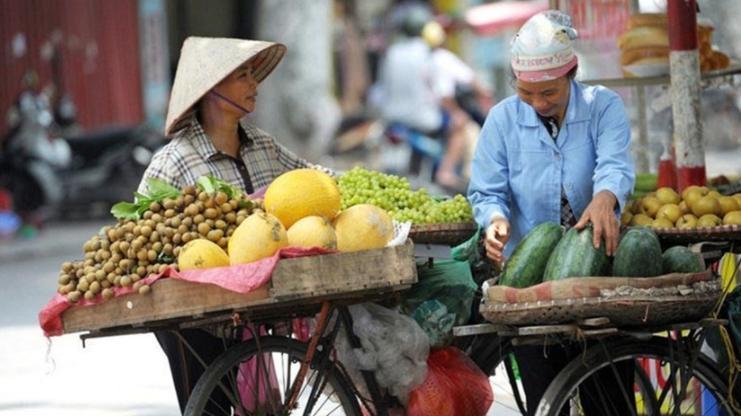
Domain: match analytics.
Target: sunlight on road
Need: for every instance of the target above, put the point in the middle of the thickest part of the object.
(125, 375)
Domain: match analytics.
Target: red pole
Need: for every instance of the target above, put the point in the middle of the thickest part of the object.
(684, 62)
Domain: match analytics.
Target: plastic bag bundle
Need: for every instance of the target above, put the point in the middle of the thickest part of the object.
(393, 347)
(454, 386)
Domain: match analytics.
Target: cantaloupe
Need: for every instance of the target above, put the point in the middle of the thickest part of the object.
(259, 236)
(312, 231)
(201, 254)
(301, 193)
(363, 227)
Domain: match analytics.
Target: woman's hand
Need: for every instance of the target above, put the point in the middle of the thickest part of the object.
(601, 213)
(497, 235)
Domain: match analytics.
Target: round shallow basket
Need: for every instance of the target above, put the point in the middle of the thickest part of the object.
(449, 233)
(622, 311)
(696, 235)
(626, 301)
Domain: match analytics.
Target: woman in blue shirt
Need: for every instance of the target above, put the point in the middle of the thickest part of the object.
(557, 151)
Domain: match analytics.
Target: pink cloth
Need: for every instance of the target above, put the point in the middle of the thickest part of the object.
(242, 278)
(546, 74)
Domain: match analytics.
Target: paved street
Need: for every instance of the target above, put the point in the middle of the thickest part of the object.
(113, 376)
(117, 376)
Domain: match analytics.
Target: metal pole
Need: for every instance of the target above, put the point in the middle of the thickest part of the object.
(642, 148)
(684, 61)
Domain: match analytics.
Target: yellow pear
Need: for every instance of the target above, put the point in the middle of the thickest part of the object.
(705, 205)
(732, 218)
(625, 218)
(667, 195)
(641, 220)
(669, 211)
(714, 194)
(708, 220)
(687, 221)
(738, 198)
(693, 196)
(694, 188)
(728, 204)
(650, 206)
(684, 208)
(662, 223)
(632, 207)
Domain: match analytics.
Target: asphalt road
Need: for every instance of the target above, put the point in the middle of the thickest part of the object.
(116, 376)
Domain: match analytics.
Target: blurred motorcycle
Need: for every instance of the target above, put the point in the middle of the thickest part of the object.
(60, 176)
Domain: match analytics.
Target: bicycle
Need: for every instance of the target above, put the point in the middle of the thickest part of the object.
(303, 377)
(675, 361)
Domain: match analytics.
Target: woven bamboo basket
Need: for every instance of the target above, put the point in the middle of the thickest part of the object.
(674, 298)
(696, 235)
(448, 233)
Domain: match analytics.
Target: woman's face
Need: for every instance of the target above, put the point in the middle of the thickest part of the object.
(240, 87)
(548, 98)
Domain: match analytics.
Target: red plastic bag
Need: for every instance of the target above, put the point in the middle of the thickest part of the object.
(454, 386)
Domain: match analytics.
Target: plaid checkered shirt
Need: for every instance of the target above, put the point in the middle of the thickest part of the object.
(191, 154)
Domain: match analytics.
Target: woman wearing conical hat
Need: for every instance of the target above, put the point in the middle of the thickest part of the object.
(215, 88)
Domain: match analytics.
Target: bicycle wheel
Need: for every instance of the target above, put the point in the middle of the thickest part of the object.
(492, 353)
(244, 381)
(686, 375)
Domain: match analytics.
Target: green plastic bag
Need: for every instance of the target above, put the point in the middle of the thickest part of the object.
(468, 250)
(449, 282)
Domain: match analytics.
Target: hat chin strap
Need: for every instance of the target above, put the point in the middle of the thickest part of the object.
(232, 103)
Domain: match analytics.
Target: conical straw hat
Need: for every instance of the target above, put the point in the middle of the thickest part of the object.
(204, 62)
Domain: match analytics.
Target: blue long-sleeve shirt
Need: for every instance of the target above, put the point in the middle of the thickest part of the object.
(518, 170)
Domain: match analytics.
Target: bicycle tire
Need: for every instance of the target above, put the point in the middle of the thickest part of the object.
(487, 352)
(563, 389)
(223, 369)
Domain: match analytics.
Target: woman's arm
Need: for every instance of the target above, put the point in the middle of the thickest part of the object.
(613, 174)
(488, 190)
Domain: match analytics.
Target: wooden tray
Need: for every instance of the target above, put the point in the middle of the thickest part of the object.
(297, 286)
(450, 233)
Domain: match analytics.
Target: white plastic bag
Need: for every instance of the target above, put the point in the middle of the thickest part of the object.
(394, 347)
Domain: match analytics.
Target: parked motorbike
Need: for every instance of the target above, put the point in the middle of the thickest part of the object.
(62, 176)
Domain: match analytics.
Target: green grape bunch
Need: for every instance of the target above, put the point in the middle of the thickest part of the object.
(393, 194)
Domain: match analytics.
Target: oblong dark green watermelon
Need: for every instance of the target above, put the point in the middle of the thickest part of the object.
(575, 256)
(638, 254)
(680, 259)
(526, 265)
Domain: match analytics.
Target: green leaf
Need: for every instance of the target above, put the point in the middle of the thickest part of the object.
(157, 186)
(125, 211)
(212, 184)
(205, 183)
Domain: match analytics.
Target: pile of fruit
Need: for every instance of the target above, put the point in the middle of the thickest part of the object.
(547, 253)
(213, 224)
(393, 194)
(150, 234)
(697, 206)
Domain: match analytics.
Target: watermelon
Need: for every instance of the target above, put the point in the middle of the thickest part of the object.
(575, 256)
(526, 265)
(638, 254)
(680, 259)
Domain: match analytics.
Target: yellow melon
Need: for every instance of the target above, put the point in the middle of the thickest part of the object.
(312, 231)
(201, 254)
(301, 193)
(259, 236)
(363, 227)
